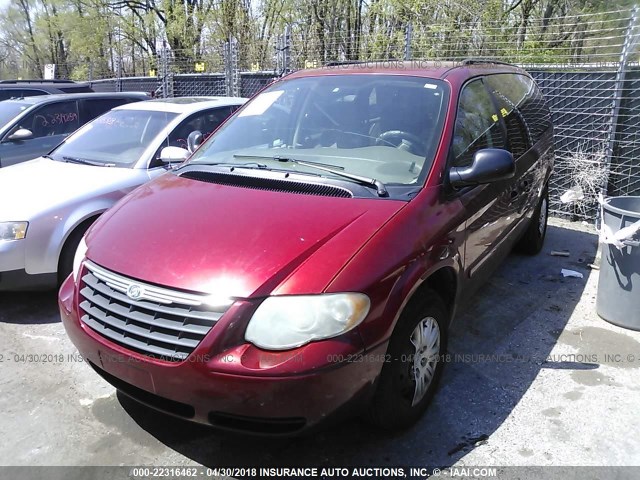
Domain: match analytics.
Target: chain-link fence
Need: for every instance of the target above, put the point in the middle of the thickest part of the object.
(586, 65)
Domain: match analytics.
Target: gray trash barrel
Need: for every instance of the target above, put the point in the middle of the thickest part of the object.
(618, 299)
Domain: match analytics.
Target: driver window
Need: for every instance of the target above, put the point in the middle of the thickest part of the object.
(206, 122)
(53, 119)
(477, 124)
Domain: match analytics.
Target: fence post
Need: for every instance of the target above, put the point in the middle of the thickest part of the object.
(169, 78)
(286, 49)
(618, 92)
(235, 58)
(119, 75)
(231, 69)
(408, 36)
(163, 73)
(276, 55)
(166, 79)
(283, 52)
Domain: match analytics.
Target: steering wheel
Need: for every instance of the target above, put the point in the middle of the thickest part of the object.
(414, 143)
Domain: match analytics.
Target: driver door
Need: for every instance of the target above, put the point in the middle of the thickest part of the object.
(489, 207)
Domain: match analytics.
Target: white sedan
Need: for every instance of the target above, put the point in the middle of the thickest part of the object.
(47, 204)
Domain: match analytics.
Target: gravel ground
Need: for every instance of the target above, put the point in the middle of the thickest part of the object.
(562, 401)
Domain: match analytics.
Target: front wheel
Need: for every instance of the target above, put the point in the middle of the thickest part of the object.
(533, 238)
(409, 379)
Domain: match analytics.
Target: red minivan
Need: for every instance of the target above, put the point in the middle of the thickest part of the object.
(310, 255)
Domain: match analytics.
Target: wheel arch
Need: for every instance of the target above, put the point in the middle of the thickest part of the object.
(443, 280)
(81, 225)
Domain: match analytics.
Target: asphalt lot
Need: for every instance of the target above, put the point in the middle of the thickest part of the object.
(561, 402)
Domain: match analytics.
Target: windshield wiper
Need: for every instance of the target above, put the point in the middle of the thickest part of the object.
(287, 159)
(335, 169)
(87, 162)
(261, 166)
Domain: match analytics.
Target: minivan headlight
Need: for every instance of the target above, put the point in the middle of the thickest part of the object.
(285, 322)
(78, 258)
(13, 230)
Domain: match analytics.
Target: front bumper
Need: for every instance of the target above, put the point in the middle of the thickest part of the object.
(240, 388)
(13, 275)
(12, 255)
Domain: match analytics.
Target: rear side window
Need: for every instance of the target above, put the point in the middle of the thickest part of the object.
(7, 93)
(30, 92)
(75, 89)
(510, 94)
(477, 124)
(523, 92)
(53, 119)
(95, 107)
(535, 111)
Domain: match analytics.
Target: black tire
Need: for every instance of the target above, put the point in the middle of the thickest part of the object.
(65, 263)
(533, 239)
(392, 406)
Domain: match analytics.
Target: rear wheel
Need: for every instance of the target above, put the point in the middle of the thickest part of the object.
(409, 379)
(533, 239)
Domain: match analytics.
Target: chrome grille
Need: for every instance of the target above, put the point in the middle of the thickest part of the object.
(159, 322)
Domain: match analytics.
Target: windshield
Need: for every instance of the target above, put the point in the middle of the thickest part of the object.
(117, 138)
(381, 127)
(10, 110)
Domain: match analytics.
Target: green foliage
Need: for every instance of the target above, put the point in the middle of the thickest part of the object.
(101, 38)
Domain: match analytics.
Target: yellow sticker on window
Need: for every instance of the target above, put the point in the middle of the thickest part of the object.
(199, 67)
(495, 117)
(504, 112)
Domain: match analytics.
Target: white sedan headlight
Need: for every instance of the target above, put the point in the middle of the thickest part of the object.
(78, 258)
(281, 323)
(13, 230)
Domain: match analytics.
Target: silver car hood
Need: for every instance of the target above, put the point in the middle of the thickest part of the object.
(28, 189)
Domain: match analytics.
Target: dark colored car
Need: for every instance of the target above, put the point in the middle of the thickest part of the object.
(31, 88)
(310, 256)
(33, 126)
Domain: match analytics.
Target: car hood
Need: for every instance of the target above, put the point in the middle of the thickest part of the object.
(27, 189)
(233, 241)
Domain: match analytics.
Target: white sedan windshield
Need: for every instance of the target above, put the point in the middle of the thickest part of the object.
(118, 137)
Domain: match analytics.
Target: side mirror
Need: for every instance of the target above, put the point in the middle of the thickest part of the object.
(173, 154)
(194, 140)
(21, 134)
(489, 165)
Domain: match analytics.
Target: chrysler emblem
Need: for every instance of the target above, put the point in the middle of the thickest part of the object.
(134, 291)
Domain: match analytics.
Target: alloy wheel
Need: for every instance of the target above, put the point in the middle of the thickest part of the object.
(426, 341)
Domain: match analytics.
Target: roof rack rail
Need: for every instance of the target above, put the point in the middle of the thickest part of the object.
(475, 61)
(57, 80)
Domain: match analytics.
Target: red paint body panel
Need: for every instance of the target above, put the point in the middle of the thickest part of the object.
(233, 241)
